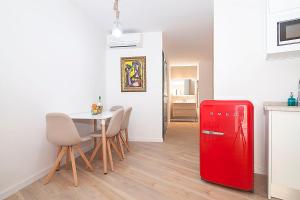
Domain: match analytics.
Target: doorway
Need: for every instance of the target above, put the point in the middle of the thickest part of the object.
(180, 98)
(184, 94)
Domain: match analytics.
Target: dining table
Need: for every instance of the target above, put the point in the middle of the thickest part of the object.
(102, 117)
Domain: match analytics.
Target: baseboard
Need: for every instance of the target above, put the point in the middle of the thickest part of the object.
(16, 187)
(184, 120)
(142, 139)
(259, 170)
(31, 179)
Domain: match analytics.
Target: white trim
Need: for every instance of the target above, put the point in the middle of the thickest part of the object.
(142, 139)
(269, 132)
(29, 180)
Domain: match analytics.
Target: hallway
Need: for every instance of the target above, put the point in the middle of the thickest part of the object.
(168, 170)
(183, 133)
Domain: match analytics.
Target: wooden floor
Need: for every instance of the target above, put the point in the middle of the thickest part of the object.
(168, 170)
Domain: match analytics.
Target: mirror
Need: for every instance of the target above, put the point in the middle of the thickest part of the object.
(181, 87)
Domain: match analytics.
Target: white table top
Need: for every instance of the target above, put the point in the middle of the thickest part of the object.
(88, 115)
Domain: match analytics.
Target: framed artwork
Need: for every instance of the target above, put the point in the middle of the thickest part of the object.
(133, 74)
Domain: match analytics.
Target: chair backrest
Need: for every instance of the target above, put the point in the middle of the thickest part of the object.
(115, 123)
(125, 120)
(117, 107)
(61, 130)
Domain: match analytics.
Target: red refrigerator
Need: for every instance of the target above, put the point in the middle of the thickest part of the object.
(226, 143)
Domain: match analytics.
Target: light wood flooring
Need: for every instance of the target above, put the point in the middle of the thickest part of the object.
(168, 170)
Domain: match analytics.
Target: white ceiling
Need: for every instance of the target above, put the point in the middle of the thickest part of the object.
(187, 25)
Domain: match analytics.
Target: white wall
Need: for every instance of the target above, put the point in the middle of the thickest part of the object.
(146, 117)
(240, 67)
(206, 83)
(51, 59)
(184, 72)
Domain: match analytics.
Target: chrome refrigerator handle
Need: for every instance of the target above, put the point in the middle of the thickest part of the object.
(212, 132)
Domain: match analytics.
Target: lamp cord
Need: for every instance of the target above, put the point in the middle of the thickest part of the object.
(116, 9)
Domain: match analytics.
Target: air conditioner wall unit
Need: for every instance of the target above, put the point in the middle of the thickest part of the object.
(126, 40)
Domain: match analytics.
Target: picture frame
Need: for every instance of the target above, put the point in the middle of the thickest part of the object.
(133, 74)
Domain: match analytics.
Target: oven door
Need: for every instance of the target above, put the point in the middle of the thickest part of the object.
(288, 32)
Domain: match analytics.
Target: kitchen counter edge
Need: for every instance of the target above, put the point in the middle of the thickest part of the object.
(280, 106)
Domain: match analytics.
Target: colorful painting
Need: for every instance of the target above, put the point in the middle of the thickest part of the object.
(133, 74)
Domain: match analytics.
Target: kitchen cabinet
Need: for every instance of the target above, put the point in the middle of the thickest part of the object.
(279, 11)
(276, 6)
(283, 125)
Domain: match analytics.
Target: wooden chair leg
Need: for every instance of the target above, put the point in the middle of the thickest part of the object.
(68, 159)
(95, 151)
(95, 142)
(121, 145)
(127, 141)
(109, 155)
(71, 151)
(57, 161)
(84, 158)
(116, 150)
(58, 151)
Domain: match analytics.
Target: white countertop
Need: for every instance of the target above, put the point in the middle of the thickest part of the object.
(88, 115)
(280, 106)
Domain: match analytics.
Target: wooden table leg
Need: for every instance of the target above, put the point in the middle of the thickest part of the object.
(95, 129)
(104, 146)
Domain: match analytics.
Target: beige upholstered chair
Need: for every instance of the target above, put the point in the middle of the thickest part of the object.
(124, 131)
(62, 132)
(114, 108)
(111, 133)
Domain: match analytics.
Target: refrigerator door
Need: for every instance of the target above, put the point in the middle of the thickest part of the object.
(226, 143)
